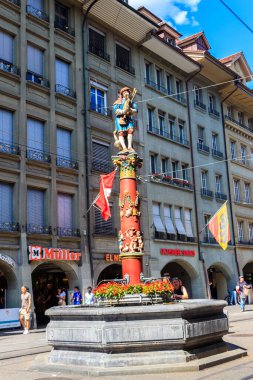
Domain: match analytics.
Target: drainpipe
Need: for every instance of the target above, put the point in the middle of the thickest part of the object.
(86, 135)
(193, 177)
(228, 179)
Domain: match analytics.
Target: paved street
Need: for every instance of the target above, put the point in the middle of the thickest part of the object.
(14, 344)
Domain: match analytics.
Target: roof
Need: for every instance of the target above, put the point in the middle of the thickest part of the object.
(193, 38)
(231, 57)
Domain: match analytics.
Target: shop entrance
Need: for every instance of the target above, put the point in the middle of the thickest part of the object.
(217, 282)
(3, 291)
(113, 271)
(176, 270)
(248, 273)
(9, 291)
(46, 279)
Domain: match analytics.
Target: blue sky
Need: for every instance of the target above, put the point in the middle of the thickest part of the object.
(225, 33)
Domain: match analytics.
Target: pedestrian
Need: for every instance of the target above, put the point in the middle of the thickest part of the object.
(25, 311)
(242, 289)
(51, 299)
(89, 296)
(61, 296)
(180, 292)
(77, 296)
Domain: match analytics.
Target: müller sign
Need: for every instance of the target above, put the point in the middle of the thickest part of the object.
(176, 252)
(38, 253)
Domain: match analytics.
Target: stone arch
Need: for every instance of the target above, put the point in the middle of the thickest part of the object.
(108, 272)
(12, 291)
(70, 269)
(220, 279)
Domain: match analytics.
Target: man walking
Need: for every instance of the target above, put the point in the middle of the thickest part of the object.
(241, 289)
(25, 311)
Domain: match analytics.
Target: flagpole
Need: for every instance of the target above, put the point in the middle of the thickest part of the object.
(212, 218)
(92, 203)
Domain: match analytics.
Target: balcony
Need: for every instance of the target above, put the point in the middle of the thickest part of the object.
(37, 78)
(68, 163)
(9, 149)
(125, 66)
(8, 67)
(65, 28)
(9, 227)
(100, 53)
(180, 98)
(37, 13)
(102, 110)
(198, 104)
(216, 153)
(37, 229)
(68, 232)
(203, 148)
(15, 2)
(170, 136)
(206, 193)
(101, 166)
(213, 112)
(245, 242)
(239, 123)
(38, 155)
(220, 196)
(60, 89)
(155, 86)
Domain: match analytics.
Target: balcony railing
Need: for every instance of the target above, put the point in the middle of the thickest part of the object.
(9, 148)
(60, 89)
(16, 2)
(68, 232)
(245, 242)
(64, 162)
(206, 193)
(125, 66)
(203, 148)
(8, 67)
(170, 136)
(38, 155)
(100, 166)
(217, 153)
(213, 111)
(102, 110)
(210, 240)
(179, 182)
(248, 128)
(64, 28)
(37, 13)
(36, 78)
(220, 196)
(199, 104)
(100, 53)
(156, 86)
(180, 98)
(9, 226)
(37, 229)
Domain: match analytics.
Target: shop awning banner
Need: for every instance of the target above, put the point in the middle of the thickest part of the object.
(106, 183)
(219, 226)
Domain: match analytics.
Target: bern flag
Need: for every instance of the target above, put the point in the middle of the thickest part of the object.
(219, 226)
(106, 182)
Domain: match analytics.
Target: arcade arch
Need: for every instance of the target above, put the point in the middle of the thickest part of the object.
(110, 272)
(8, 282)
(220, 280)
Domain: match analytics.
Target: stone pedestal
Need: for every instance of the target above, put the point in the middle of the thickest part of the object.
(103, 340)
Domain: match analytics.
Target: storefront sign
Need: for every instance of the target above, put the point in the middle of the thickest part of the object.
(37, 253)
(7, 260)
(176, 252)
(111, 257)
(9, 318)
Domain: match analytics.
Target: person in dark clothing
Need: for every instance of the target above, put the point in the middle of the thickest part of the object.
(180, 292)
(51, 299)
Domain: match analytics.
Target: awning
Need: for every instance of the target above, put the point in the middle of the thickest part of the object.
(188, 224)
(168, 221)
(179, 224)
(157, 219)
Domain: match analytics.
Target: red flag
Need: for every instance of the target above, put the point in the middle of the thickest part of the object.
(106, 182)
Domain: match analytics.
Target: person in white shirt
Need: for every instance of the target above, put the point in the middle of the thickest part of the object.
(89, 297)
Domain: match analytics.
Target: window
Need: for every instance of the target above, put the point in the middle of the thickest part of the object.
(188, 223)
(61, 16)
(65, 210)
(214, 142)
(34, 64)
(174, 169)
(179, 89)
(233, 150)
(230, 112)
(247, 192)
(250, 233)
(169, 79)
(185, 172)
(101, 157)
(197, 95)
(102, 227)
(37, 4)
(6, 49)
(159, 79)
(35, 8)
(218, 183)
(6, 126)
(123, 58)
(97, 43)
(201, 136)
(62, 73)
(172, 127)
(211, 103)
(35, 210)
(153, 163)
(148, 72)
(181, 126)
(251, 157)
(168, 222)
(151, 119)
(158, 224)
(240, 231)
(236, 190)
(164, 165)
(161, 122)
(206, 230)
(63, 143)
(98, 98)
(178, 222)
(243, 154)
(241, 118)
(204, 180)
(250, 123)
(35, 139)
(6, 205)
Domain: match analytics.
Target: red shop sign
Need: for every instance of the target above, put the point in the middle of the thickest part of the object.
(38, 253)
(176, 252)
(111, 257)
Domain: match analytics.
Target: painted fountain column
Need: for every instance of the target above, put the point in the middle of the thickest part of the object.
(128, 161)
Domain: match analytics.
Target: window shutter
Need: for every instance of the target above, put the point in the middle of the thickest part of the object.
(188, 224)
(35, 60)
(6, 121)
(6, 205)
(35, 207)
(101, 158)
(64, 143)
(6, 47)
(62, 73)
(65, 211)
(35, 134)
(101, 226)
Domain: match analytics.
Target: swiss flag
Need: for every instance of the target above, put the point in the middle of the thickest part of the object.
(106, 182)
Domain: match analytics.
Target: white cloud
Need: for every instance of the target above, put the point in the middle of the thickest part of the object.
(180, 11)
